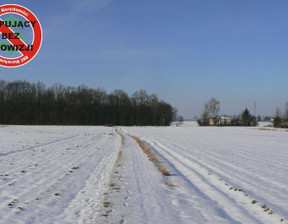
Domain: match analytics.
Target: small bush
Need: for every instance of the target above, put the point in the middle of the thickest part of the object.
(106, 204)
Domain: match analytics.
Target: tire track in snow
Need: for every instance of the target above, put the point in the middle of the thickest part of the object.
(88, 202)
(151, 201)
(231, 173)
(198, 176)
(38, 146)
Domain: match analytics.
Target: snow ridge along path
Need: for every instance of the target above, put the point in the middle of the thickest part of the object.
(139, 193)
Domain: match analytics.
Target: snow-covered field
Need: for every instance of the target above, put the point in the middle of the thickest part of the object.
(54, 174)
(97, 175)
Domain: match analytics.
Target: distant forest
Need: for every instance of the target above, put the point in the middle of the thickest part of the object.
(24, 103)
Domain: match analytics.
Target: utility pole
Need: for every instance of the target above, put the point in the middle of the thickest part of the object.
(255, 109)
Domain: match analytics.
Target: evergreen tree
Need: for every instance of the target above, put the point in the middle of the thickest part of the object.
(277, 119)
(246, 118)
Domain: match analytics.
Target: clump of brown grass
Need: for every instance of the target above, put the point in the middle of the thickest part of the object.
(75, 168)
(164, 170)
(169, 183)
(106, 204)
(119, 159)
(152, 157)
(146, 149)
(112, 184)
(116, 188)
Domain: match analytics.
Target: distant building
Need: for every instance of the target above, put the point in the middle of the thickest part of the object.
(223, 120)
(212, 121)
(265, 124)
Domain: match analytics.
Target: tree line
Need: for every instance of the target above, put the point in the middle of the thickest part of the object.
(281, 119)
(25, 103)
(210, 116)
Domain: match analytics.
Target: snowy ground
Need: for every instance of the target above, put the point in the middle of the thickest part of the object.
(54, 174)
(97, 175)
(185, 124)
(228, 169)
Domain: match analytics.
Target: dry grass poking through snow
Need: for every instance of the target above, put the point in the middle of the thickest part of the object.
(119, 159)
(122, 137)
(147, 150)
(112, 183)
(266, 129)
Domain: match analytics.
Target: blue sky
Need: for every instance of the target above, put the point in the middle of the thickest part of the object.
(186, 51)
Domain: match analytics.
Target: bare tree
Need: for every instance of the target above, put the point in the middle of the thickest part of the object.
(278, 112)
(204, 117)
(277, 118)
(180, 119)
(175, 111)
(212, 108)
(286, 112)
(140, 97)
(22, 102)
